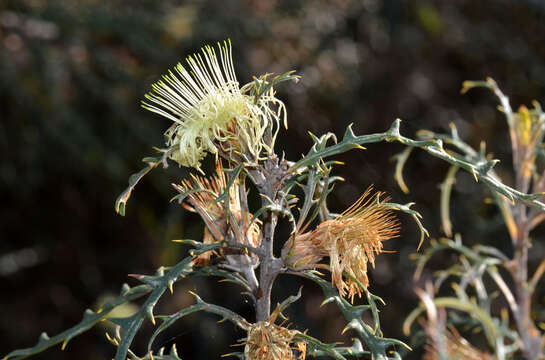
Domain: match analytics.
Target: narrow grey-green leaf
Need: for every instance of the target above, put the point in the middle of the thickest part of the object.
(89, 320)
(121, 202)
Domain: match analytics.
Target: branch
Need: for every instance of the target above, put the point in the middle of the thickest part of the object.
(480, 171)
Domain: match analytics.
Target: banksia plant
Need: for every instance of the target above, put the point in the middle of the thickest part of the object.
(238, 125)
(482, 273)
(213, 115)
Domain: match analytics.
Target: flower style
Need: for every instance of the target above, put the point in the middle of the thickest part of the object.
(351, 241)
(211, 112)
(202, 197)
(268, 341)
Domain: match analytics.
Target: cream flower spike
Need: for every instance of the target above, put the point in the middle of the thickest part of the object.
(210, 111)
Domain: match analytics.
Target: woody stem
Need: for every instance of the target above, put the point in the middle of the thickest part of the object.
(268, 179)
(270, 267)
(530, 336)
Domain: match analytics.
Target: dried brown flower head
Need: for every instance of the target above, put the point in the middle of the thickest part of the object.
(454, 347)
(221, 225)
(302, 252)
(353, 239)
(268, 341)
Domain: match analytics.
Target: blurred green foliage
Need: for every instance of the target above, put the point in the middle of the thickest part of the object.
(72, 74)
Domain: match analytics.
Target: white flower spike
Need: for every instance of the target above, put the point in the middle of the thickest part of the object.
(211, 112)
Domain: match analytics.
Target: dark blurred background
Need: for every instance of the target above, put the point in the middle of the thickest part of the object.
(72, 74)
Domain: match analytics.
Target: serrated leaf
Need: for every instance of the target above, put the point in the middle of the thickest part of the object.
(317, 348)
(89, 320)
(433, 146)
(133, 323)
(169, 320)
(414, 214)
(378, 346)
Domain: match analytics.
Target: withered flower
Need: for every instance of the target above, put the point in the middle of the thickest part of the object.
(455, 347)
(351, 240)
(221, 225)
(302, 252)
(268, 341)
